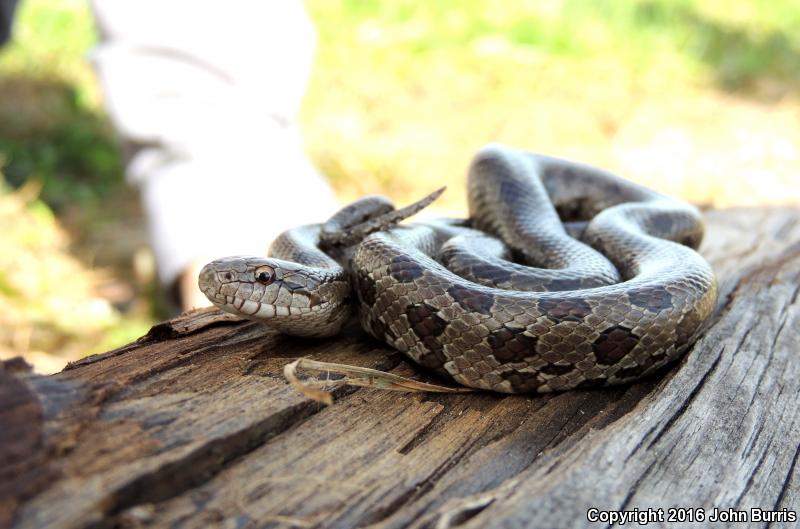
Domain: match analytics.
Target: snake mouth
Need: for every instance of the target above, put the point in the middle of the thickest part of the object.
(254, 309)
(211, 287)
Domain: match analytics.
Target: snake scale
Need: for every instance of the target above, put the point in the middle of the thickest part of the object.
(564, 276)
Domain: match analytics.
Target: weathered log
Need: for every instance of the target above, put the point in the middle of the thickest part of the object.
(194, 426)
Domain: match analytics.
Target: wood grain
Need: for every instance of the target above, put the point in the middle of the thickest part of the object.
(194, 426)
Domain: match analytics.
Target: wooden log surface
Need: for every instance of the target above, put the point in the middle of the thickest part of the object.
(194, 426)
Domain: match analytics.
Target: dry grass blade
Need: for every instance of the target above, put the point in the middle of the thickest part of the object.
(356, 376)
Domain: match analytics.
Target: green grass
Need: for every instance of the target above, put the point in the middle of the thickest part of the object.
(54, 138)
(405, 91)
(432, 58)
(49, 308)
(735, 44)
(52, 128)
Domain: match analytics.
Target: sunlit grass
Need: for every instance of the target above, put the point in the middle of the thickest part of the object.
(52, 128)
(404, 92)
(55, 142)
(49, 310)
(50, 42)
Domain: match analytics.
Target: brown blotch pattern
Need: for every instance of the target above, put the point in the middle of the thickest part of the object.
(522, 382)
(404, 269)
(654, 299)
(635, 371)
(380, 330)
(590, 383)
(555, 370)
(472, 300)
(613, 344)
(559, 310)
(510, 344)
(365, 289)
(427, 325)
(497, 275)
(661, 223)
(560, 285)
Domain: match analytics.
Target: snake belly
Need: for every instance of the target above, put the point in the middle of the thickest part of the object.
(619, 296)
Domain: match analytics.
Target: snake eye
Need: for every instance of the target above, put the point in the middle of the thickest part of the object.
(265, 275)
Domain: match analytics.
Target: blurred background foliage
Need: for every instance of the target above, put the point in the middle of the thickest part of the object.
(696, 99)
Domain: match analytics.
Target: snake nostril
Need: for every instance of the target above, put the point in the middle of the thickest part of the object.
(224, 277)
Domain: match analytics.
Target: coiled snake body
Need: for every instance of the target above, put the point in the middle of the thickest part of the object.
(596, 281)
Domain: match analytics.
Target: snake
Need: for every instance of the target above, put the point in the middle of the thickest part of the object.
(563, 276)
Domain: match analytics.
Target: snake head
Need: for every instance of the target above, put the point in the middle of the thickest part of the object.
(287, 296)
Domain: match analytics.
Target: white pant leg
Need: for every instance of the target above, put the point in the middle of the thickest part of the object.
(205, 96)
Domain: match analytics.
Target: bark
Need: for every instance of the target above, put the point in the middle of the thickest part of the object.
(194, 426)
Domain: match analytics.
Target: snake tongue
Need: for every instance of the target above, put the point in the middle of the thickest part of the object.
(386, 220)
